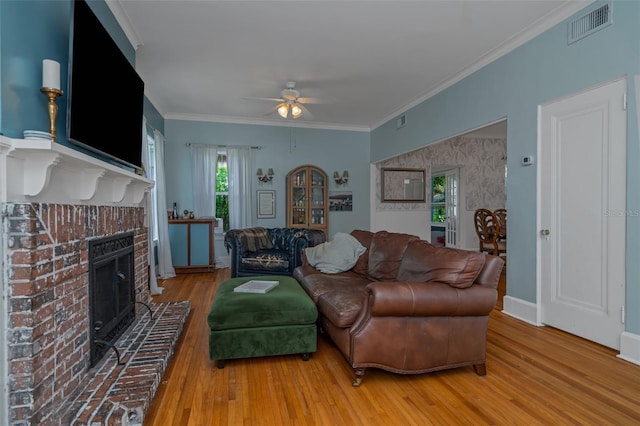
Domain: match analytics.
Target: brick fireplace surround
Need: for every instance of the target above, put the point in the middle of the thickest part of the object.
(53, 200)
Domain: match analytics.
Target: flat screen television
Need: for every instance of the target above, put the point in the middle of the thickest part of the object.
(105, 93)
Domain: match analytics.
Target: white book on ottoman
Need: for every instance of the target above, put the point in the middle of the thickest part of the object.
(256, 286)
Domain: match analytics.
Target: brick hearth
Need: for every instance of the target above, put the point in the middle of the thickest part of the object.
(121, 394)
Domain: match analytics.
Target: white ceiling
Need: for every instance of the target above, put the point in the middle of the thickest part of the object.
(368, 61)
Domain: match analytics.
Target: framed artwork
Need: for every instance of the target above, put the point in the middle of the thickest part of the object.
(340, 201)
(402, 185)
(266, 204)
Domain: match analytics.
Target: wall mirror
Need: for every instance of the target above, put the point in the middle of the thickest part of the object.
(402, 185)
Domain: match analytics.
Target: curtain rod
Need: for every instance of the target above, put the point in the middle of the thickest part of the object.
(224, 146)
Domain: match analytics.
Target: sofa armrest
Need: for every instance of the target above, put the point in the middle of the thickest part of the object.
(429, 299)
(303, 239)
(233, 244)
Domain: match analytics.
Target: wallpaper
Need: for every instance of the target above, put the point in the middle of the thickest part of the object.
(482, 170)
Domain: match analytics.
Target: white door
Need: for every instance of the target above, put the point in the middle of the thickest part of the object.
(451, 207)
(581, 244)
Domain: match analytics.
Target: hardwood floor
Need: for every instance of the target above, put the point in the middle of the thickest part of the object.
(536, 376)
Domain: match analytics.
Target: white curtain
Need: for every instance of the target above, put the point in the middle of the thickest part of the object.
(240, 196)
(165, 264)
(146, 164)
(203, 173)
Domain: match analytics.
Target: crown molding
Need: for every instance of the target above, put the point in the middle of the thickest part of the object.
(125, 23)
(543, 24)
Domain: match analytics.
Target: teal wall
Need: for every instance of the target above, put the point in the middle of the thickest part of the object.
(154, 119)
(33, 30)
(543, 69)
(283, 149)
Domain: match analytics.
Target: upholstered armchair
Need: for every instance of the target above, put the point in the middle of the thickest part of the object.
(268, 251)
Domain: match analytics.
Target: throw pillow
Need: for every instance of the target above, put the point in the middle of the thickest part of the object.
(335, 256)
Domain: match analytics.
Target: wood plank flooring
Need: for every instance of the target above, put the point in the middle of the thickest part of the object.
(535, 376)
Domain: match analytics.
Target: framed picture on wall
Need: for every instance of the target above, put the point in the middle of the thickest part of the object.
(340, 201)
(266, 204)
(402, 185)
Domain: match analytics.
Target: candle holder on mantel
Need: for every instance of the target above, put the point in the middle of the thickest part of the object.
(52, 94)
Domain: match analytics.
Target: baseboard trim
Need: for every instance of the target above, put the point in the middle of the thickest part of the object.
(520, 309)
(630, 347)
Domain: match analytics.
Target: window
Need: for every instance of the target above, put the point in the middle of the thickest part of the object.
(222, 189)
(438, 199)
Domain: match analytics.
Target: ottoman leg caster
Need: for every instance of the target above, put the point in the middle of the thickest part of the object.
(221, 363)
(306, 356)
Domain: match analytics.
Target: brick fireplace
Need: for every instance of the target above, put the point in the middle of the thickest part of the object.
(48, 325)
(54, 201)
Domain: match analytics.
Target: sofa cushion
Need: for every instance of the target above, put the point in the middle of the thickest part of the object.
(425, 262)
(362, 265)
(385, 254)
(337, 255)
(342, 307)
(316, 284)
(255, 239)
(266, 261)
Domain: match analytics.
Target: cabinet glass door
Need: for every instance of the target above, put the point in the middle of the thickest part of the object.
(316, 178)
(317, 216)
(299, 179)
(317, 197)
(299, 215)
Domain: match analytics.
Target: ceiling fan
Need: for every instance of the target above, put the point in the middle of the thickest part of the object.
(290, 103)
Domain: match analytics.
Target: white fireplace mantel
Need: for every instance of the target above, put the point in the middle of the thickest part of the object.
(47, 172)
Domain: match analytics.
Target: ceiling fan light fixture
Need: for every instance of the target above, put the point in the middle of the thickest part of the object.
(283, 110)
(296, 110)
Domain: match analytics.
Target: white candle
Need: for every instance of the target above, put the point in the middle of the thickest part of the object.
(50, 74)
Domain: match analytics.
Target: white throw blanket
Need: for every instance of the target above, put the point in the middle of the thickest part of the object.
(337, 255)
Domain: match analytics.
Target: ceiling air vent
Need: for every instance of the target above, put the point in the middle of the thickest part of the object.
(401, 121)
(589, 22)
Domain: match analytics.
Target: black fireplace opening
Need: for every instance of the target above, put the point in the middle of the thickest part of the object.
(111, 292)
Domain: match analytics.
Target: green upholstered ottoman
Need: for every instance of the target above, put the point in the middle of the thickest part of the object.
(244, 325)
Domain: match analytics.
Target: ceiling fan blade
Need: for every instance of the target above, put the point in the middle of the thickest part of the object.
(310, 100)
(265, 99)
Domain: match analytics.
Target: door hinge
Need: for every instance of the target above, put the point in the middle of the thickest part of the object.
(622, 314)
(624, 101)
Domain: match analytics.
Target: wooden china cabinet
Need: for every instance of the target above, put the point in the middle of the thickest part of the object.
(308, 198)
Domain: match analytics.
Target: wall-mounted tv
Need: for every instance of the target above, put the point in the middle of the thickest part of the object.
(105, 93)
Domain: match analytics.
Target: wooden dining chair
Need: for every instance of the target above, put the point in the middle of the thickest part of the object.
(488, 231)
(501, 215)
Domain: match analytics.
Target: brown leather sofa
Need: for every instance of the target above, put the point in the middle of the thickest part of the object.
(407, 306)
